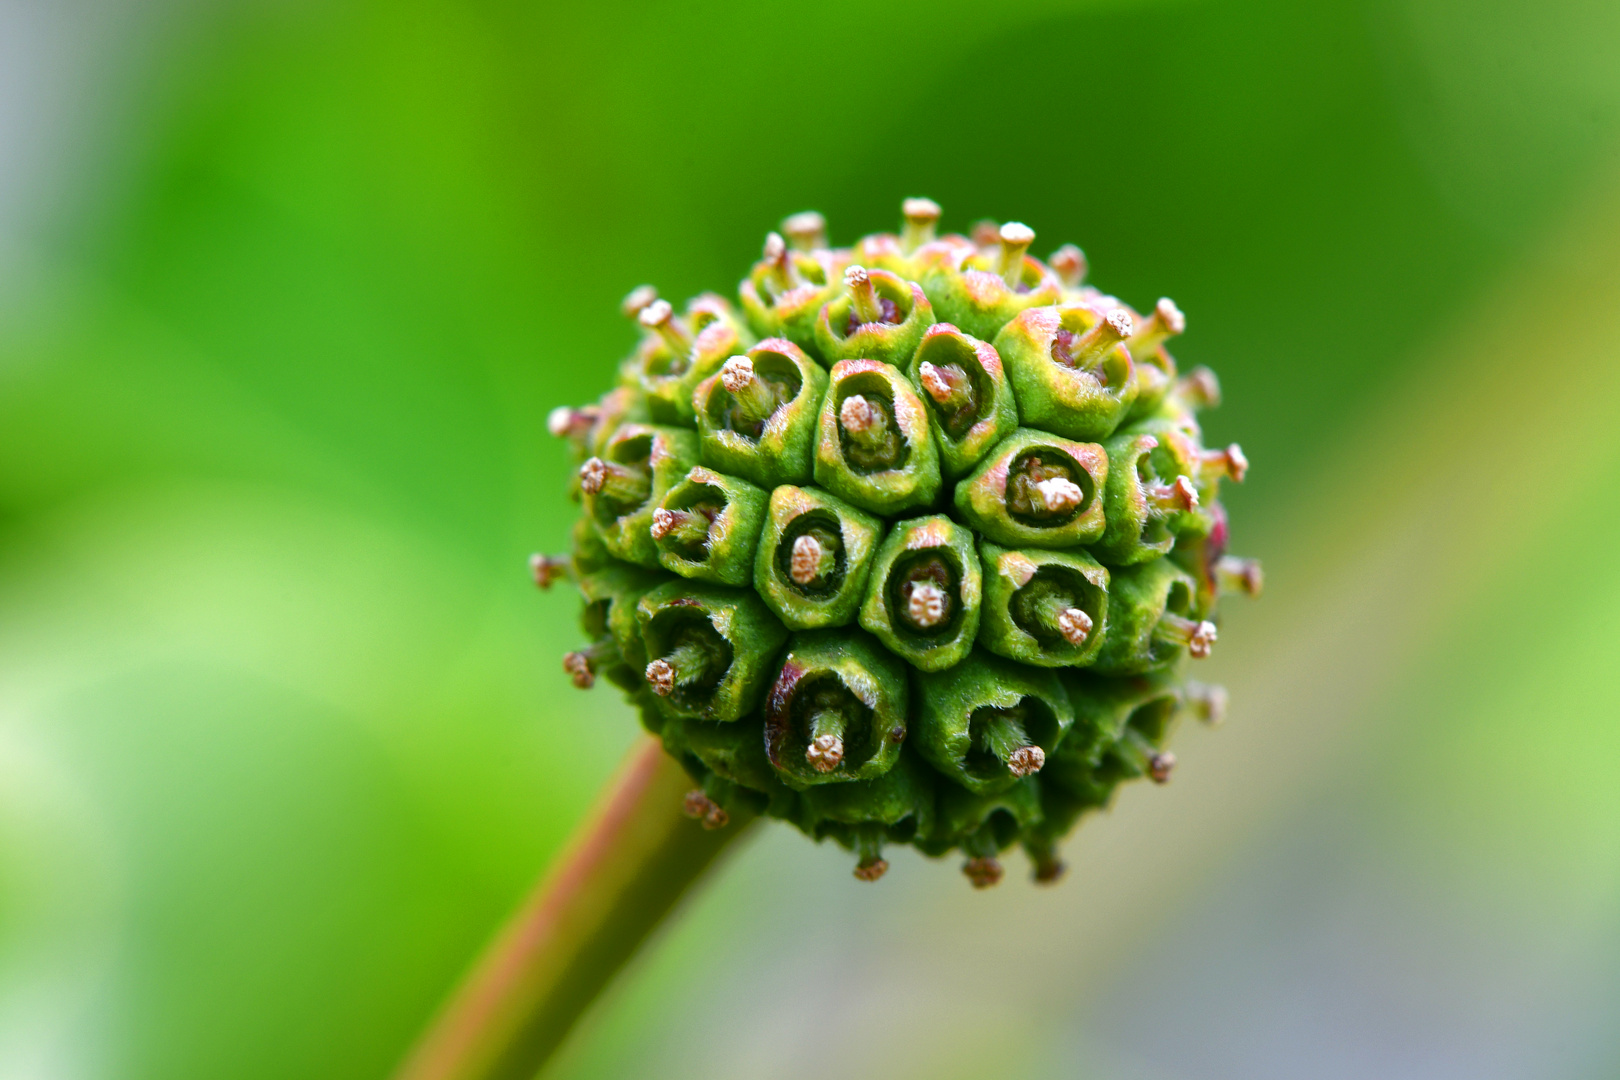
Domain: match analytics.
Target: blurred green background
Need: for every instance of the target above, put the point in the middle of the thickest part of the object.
(286, 289)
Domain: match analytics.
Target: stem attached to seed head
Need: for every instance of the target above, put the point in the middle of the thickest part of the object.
(659, 317)
(1069, 262)
(1197, 635)
(755, 399)
(814, 557)
(547, 570)
(623, 484)
(807, 231)
(1233, 574)
(1015, 239)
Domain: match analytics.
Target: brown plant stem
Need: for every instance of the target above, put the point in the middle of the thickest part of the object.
(627, 865)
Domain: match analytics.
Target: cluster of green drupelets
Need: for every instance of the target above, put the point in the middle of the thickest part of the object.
(908, 550)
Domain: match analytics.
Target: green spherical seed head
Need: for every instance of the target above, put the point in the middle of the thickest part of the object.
(879, 316)
(837, 711)
(1070, 369)
(1144, 508)
(874, 445)
(981, 712)
(708, 525)
(814, 557)
(1045, 608)
(969, 400)
(1037, 490)
(1152, 620)
(986, 722)
(711, 650)
(982, 291)
(622, 486)
(756, 416)
(923, 598)
(784, 293)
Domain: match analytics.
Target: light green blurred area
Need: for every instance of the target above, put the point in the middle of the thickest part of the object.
(286, 290)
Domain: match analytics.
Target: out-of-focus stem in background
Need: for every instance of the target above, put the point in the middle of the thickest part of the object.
(631, 860)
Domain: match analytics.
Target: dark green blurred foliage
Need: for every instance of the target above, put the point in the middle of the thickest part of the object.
(284, 736)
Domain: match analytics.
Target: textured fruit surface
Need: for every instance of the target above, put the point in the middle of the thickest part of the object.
(910, 546)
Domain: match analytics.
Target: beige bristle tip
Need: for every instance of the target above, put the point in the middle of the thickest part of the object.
(1203, 640)
(1174, 320)
(655, 314)
(825, 753)
(1160, 766)
(1075, 626)
(871, 870)
(856, 413)
(1016, 232)
(661, 677)
(926, 605)
(637, 299)
(1026, 760)
(592, 475)
(737, 373)
(983, 873)
(920, 209)
(805, 562)
(579, 669)
(1237, 462)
